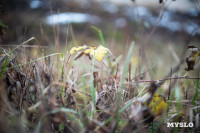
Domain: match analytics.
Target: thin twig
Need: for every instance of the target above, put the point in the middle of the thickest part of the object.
(144, 72)
(161, 80)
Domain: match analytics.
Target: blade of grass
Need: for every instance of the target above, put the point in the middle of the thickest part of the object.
(178, 98)
(196, 93)
(32, 38)
(62, 73)
(84, 89)
(102, 41)
(127, 105)
(100, 35)
(84, 97)
(72, 115)
(92, 88)
(75, 120)
(68, 110)
(4, 67)
(125, 70)
(33, 60)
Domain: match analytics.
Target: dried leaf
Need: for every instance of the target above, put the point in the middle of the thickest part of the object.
(89, 49)
(98, 52)
(79, 55)
(76, 49)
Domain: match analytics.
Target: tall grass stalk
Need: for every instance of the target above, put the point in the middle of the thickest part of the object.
(32, 38)
(125, 70)
(100, 35)
(62, 72)
(4, 67)
(92, 88)
(102, 41)
(196, 93)
(84, 90)
(178, 96)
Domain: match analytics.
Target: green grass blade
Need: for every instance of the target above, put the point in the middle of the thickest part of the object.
(102, 41)
(178, 96)
(84, 89)
(62, 73)
(127, 105)
(100, 35)
(68, 110)
(196, 93)
(84, 96)
(125, 70)
(4, 67)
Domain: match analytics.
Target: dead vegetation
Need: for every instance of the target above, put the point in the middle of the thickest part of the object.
(51, 93)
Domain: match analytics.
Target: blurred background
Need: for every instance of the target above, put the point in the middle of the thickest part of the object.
(165, 26)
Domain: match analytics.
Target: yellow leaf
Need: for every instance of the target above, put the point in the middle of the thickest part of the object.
(76, 49)
(99, 53)
(89, 49)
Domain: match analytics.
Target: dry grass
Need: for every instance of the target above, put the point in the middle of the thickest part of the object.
(54, 93)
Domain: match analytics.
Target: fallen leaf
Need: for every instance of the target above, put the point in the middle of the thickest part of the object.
(76, 49)
(98, 52)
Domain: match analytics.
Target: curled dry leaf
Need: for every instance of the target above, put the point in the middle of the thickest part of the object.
(76, 49)
(98, 52)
